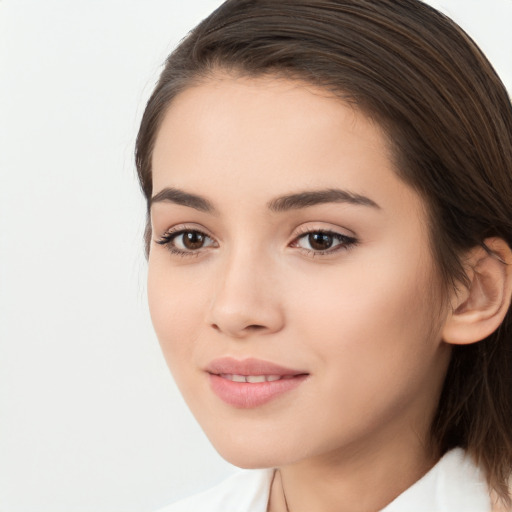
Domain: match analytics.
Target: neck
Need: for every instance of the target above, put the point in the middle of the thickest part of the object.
(357, 480)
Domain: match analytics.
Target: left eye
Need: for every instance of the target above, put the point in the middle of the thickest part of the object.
(322, 241)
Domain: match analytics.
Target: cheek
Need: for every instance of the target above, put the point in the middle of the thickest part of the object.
(372, 316)
(371, 334)
(177, 302)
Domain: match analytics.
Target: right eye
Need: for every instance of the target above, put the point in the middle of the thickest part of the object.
(186, 241)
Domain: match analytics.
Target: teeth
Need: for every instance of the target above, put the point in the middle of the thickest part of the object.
(252, 379)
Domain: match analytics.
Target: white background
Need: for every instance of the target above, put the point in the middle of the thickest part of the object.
(90, 420)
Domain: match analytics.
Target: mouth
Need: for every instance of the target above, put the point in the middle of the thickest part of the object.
(251, 383)
(254, 379)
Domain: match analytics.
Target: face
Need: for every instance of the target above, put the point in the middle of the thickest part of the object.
(290, 277)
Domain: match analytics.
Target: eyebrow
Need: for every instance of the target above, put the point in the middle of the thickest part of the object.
(174, 195)
(312, 198)
(280, 204)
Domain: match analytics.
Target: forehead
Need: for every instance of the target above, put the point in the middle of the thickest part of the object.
(263, 137)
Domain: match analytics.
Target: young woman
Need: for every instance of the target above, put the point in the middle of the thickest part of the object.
(329, 188)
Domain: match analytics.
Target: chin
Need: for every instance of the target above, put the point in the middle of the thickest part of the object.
(246, 460)
(250, 454)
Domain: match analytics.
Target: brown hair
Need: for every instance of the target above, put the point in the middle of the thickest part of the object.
(449, 121)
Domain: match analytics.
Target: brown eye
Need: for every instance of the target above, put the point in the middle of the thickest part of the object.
(193, 240)
(187, 241)
(320, 241)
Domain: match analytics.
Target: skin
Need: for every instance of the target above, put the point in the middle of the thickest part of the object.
(363, 319)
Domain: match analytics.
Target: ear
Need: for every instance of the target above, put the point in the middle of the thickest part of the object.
(479, 309)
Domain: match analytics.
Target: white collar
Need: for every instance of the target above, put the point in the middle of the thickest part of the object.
(454, 484)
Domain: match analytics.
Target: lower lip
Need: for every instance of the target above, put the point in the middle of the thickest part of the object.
(245, 395)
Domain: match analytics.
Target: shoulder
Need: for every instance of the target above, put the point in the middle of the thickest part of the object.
(498, 505)
(245, 491)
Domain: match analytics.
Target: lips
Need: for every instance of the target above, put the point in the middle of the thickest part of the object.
(251, 382)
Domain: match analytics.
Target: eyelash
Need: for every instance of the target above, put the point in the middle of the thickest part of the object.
(167, 240)
(345, 242)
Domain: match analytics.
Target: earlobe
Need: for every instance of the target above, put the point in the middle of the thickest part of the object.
(479, 309)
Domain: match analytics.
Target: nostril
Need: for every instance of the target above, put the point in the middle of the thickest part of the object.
(247, 328)
(252, 327)
(255, 327)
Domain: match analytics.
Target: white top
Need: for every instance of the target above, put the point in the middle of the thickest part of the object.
(454, 484)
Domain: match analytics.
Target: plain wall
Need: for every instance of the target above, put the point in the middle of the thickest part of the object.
(90, 419)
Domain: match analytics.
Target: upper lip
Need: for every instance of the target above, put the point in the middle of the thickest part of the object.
(250, 366)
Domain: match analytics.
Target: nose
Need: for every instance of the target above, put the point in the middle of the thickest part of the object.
(246, 299)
